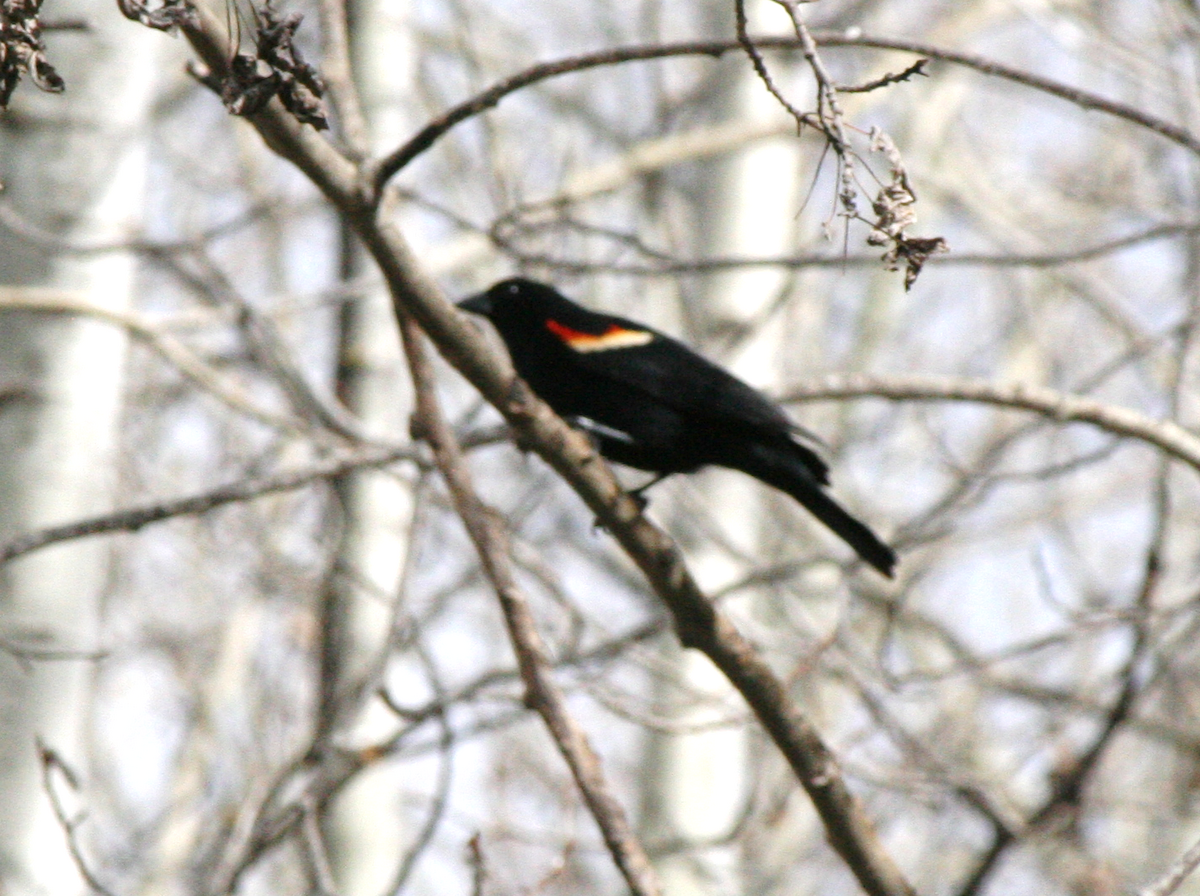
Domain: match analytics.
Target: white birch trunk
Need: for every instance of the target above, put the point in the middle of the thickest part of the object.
(699, 781)
(73, 165)
(365, 826)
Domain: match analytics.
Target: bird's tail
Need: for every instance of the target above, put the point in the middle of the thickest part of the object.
(774, 466)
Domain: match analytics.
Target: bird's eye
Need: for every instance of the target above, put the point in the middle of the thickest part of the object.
(513, 288)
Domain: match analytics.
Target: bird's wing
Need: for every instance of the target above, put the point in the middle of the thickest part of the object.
(671, 373)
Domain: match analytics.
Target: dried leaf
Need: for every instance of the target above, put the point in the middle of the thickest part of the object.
(914, 251)
(22, 50)
(170, 15)
(276, 69)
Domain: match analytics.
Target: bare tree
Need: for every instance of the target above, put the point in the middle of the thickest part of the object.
(1015, 713)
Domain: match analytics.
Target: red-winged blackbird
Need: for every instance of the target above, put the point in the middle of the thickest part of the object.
(652, 403)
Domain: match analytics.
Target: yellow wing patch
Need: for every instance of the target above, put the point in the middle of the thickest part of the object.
(613, 337)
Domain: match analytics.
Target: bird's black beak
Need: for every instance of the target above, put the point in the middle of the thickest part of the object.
(480, 304)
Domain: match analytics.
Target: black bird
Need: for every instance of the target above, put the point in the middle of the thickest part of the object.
(652, 403)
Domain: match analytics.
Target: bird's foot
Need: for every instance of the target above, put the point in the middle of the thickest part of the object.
(639, 498)
(639, 494)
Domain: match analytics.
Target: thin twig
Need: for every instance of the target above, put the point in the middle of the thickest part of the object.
(26, 656)
(476, 862)
(1082, 98)
(760, 68)
(29, 232)
(425, 138)
(1067, 785)
(917, 68)
(441, 791)
(269, 349)
(314, 851)
(67, 25)
(339, 77)
(51, 762)
(1176, 874)
(829, 111)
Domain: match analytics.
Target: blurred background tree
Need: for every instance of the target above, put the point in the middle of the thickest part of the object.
(303, 684)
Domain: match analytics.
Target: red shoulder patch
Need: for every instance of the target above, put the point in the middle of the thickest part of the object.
(614, 337)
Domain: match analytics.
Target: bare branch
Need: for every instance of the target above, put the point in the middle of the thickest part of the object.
(170, 349)
(1176, 874)
(476, 862)
(389, 166)
(1071, 776)
(760, 68)
(269, 349)
(542, 694)
(1166, 435)
(665, 264)
(27, 655)
(135, 518)
(392, 164)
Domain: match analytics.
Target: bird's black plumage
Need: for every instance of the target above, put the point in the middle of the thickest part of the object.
(654, 404)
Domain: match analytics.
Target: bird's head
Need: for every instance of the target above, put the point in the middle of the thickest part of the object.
(515, 297)
(524, 310)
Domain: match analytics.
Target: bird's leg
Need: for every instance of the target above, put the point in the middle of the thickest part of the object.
(642, 501)
(638, 494)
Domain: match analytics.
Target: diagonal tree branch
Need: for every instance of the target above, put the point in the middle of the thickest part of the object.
(697, 622)
(542, 694)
